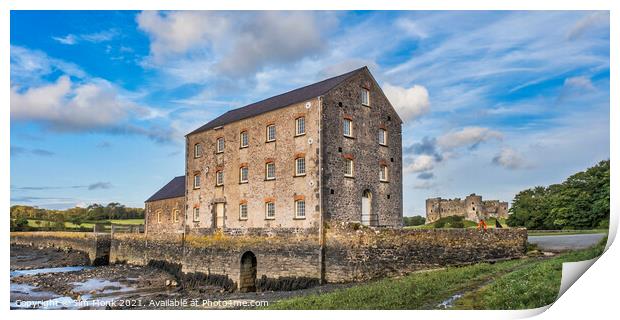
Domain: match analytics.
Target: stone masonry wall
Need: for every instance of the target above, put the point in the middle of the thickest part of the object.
(342, 196)
(96, 245)
(283, 190)
(165, 216)
(356, 255)
(278, 256)
(471, 208)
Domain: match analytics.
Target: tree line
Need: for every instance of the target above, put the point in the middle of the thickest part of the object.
(94, 212)
(580, 202)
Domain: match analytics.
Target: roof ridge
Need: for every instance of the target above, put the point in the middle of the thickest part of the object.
(271, 103)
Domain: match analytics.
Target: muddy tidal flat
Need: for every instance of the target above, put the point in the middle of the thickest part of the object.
(49, 278)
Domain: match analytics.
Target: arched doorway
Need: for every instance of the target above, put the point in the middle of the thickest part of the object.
(366, 207)
(247, 274)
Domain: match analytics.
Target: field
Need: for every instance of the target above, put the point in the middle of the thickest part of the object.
(467, 224)
(90, 224)
(516, 284)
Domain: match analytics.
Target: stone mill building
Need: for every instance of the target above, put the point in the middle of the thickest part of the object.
(330, 151)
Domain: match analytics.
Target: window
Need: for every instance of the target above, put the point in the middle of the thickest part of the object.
(300, 209)
(270, 171)
(243, 211)
(270, 210)
(347, 127)
(196, 181)
(365, 97)
(243, 174)
(158, 216)
(300, 126)
(348, 167)
(220, 145)
(175, 215)
(219, 178)
(300, 166)
(243, 139)
(196, 214)
(271, 133)
(382, 137)
(383, 174)
(197, 150)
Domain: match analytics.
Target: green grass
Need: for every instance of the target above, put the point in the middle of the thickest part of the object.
(416, 291)
(532, 286)
(468, 224)
(90, 224)
(515, 284)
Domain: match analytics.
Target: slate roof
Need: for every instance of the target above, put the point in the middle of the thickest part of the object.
(174, 188)
(298, 95)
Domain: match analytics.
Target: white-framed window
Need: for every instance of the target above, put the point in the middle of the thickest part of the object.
(270, 171)
(347, 127)
(300, 209)
(271, 132)
(383, 173)
(348, 170)
(243, 139)
(219, 178)
(175, 215)
(243, 211)
(158, 213)
(300, 166)
(365, 97)
(300, 126)
(270, 210)
(243, 174)
(220, 145)
(382, 137)
(197, 181)
(196, 214)
(197, 150)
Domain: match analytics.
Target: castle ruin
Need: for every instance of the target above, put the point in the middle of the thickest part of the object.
(472, 208)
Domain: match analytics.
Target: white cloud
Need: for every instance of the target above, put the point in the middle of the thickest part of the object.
(509, 158)
(66, 106)
(469, 137)
(579, 82)
(421, 163)
(28, 66)
(68, 39)
(96, 37)
(410, 103)
(411, 28)
(232, 44)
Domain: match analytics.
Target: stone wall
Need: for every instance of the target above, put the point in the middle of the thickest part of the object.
(278, 256)
(165, 216)
(342, 196)
(96, 245)
(355, 255)
(283, 190)
(471, 208)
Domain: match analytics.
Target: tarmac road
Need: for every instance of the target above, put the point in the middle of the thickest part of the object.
(566, 242)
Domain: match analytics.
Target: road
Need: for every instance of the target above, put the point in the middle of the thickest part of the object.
(566, 242)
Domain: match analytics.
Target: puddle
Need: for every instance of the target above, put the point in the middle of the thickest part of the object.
(100, 286)
(446, 304)
(27, 296)
(18, 273)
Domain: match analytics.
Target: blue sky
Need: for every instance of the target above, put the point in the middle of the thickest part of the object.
(493, 102)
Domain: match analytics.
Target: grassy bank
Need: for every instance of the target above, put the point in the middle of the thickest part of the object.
(523, 283)
(33, 223)
(532, 286)
(466, 224)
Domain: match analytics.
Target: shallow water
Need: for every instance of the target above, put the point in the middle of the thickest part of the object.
(17, 273)
(448, 303)
(27, 296)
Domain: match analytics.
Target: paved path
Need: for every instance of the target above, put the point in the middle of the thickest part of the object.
(566, 242)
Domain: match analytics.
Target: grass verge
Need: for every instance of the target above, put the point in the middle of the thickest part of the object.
(532, 286)
(515, 284)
